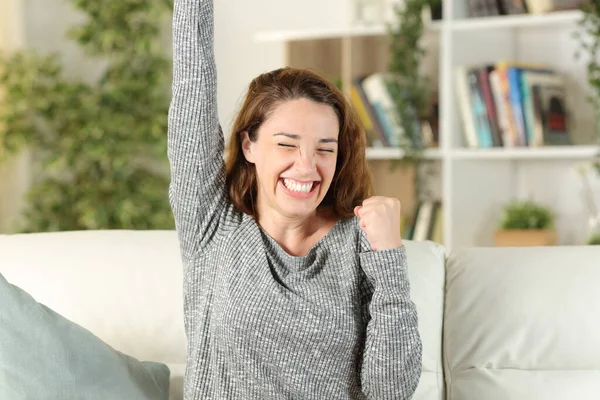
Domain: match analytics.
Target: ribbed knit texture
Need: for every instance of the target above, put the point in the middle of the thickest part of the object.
(337, 323)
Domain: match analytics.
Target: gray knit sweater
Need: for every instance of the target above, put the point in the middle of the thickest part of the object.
(337, 323)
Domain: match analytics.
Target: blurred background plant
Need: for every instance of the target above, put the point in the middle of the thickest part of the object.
(410, 90)
(589, 39)
(594, 239)
(527, 215)
(98, 150)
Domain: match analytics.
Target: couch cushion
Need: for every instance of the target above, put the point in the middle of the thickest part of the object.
(426, 274)
(523, 323)
(124, 286)
(45, 356)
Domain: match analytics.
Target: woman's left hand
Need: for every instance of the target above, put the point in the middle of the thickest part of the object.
(380, 219)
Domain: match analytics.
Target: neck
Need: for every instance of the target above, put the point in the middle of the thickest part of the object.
(282, 227)
(296, 235)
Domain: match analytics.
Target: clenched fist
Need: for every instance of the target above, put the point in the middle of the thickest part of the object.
(380, 220)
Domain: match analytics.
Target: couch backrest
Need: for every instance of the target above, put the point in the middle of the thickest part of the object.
(518, 323)
(523, 323)
(426, 274)
(124, 286)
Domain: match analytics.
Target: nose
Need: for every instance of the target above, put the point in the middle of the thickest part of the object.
(306, 162)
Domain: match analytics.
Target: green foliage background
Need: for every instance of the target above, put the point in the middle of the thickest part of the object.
(99, 150)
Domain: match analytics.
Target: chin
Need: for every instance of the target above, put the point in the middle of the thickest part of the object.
(304, 210)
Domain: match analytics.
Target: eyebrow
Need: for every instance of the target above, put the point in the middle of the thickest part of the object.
(297, 137)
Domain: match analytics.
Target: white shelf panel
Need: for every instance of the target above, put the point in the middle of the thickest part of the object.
(516, 21)
(467, 24)
(526, 153)
(392, 153)
(329, 33)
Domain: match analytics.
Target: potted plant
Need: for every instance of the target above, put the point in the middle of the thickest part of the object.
(526, 223)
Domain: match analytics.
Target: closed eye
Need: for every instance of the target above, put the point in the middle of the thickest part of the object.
(286, 145)
(326, 150)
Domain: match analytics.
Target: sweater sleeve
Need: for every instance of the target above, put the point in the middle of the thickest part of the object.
(392, 358)
(195, 139)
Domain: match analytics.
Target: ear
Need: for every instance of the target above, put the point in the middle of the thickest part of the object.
(247, 147)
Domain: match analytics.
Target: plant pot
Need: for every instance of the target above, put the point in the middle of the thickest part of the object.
(525, 237)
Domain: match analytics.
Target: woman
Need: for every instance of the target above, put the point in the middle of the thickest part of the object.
(295, 278)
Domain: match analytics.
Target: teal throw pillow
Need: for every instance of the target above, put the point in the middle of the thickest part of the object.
(44, 356)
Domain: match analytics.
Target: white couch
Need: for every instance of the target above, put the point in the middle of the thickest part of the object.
(496, 323)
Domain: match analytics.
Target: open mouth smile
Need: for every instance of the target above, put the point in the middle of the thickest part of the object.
(299, 189)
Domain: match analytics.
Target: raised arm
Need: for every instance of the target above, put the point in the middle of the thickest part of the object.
(392, 359)
(195, 139)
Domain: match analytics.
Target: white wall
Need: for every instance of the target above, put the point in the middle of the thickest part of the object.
(45, 26)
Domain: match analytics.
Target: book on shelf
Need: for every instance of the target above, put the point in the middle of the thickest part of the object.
(371, 97)
(425, 223)
(512, 104)
(488, 8)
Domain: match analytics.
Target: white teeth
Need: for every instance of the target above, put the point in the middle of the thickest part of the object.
(296, 186)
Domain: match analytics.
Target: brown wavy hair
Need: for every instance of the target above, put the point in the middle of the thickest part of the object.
(352, 180)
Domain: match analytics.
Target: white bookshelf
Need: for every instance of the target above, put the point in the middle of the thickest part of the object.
(330, 33)
(554, 153)
(473, 184)
(558, 153)
(516, 21)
